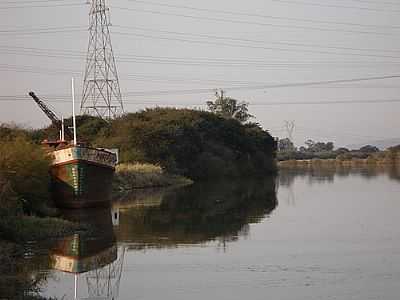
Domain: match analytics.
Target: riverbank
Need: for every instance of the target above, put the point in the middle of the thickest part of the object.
(354, 162)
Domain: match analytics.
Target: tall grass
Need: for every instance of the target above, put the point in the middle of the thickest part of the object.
(139, 168)
(139, 176)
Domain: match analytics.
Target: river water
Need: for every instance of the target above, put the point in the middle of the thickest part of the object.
(320, 234)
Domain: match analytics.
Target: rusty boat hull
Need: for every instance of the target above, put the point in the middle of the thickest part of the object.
(82, 177)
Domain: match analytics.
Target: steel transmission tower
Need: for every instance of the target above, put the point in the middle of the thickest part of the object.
(101, 95)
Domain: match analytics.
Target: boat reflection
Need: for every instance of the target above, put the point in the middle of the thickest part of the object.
(91, 255)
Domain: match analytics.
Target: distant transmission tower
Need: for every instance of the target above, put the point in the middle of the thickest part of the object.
(101, 94)
(289, 125)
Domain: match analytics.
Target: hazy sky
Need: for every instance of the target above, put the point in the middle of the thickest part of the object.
(185, 45)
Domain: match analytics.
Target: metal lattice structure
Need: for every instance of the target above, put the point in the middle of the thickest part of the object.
(101, 94)
(103, 283)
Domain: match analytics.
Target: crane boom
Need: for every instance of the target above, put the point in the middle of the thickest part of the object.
(51, 115)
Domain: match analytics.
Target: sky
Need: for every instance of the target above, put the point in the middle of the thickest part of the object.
(189, 48)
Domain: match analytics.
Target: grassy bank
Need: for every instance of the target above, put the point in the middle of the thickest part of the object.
(129, 177)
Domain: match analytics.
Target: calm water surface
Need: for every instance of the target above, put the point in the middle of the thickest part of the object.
(323, 234)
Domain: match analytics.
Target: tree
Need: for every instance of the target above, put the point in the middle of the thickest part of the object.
(369, 149)
(310, 144)
(286, 145)
(313, 146)
(229, 108)
(342, 150)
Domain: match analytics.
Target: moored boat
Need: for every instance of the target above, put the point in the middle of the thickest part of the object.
(82, 176)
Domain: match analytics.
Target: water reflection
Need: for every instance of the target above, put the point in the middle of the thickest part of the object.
(304, 244)
(91, 256)
(20, 274)
(328, 173)
(196, 214)
(89, 263)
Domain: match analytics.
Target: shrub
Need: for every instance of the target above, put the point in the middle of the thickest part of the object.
(24, 168)
(195, 144)
(9, 203)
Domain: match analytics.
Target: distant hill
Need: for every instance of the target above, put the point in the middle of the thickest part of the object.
(381, 144)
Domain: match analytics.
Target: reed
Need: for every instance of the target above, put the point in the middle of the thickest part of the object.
(132, 176)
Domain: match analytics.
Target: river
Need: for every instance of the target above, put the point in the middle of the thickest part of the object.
(319, 234)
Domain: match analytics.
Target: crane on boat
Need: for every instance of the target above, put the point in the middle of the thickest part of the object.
(59, 124)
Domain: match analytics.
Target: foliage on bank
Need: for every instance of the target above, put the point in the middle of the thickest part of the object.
(325, 151)
(24, 173)
(195, 144)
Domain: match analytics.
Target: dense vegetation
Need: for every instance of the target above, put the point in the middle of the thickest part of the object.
(24, 176)
(24, 195)
(192, 143)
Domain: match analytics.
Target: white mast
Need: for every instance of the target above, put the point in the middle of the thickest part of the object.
(73, 110)
(62, 129)
(76, 287)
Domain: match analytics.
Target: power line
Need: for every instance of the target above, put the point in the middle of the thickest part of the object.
(268, 103)
(335, 6)
(162, 79)
(249, 22)
(296, 44)
(43, 32)
(40, 29)
(248, 46)
(249, 87)
(234, 13)
(202, 62)
(374, 2)
(75, 53)
(41, 6)
(284, 63)
(315, 83)
(35, 1)
(287, 43)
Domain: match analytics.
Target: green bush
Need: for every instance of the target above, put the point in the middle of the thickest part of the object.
(192, 143)
(9, 202)
(24, 169)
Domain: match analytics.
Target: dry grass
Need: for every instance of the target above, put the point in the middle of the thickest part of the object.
(139, 168)
(139, 176)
